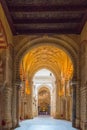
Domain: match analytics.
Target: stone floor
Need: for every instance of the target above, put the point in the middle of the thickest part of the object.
(45, 123)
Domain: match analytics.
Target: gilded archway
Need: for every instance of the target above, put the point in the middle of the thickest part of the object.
(71, 49)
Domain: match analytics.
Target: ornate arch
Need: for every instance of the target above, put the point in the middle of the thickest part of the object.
(62, 42)
(46, 67)
(42, 86)
(67, 46)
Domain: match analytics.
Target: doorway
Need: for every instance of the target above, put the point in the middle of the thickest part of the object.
(44, 93)
(44, 100)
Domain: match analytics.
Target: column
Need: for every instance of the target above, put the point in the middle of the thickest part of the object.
(7, 94)
(18, 105)
(74, 106)
(78, 101)
(14, 103)
(22, 108)
(67, 109)
(31, 99)
(58, 100)
(30, 106)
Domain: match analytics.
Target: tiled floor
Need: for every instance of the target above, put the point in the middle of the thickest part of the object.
(45, 123)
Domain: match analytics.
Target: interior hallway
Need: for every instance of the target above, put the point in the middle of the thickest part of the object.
(37, 35)
(45, 123)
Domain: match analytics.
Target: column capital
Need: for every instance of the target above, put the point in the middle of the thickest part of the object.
(6, 85)
(10, 45)
(74, 82)
(18, 86)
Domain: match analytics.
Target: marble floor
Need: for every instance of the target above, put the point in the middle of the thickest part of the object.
(45, 123)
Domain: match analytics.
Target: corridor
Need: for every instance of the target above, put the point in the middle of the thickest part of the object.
(45, 123)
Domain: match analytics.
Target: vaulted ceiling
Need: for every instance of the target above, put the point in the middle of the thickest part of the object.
(46, 57)
(45, 16)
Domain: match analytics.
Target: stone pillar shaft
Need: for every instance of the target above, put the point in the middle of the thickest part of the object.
(58, 100)
(17, 106)
(74, 107)
(7, 93)
(14, 103)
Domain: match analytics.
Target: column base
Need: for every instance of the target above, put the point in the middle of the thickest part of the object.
(58, 116)
(7, 125)
(77, 123)
(73, 124)
(14, 124)
(83, 125)
(15, 127)
(30, 116)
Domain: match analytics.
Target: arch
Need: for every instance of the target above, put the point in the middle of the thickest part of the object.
(41, 86)
(71, 48)
(50, 68)
(58, 42)
(48, 39)
(44, 101)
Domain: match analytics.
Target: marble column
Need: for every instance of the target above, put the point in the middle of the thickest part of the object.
(78, 101)
(7, 95)
(74, 106)
(18, 105)
(22, 108)
(30, 106)
(14, 102)
(7, 92)
(76, 95)
(67, 109)
(31, 99)
(58, 100)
